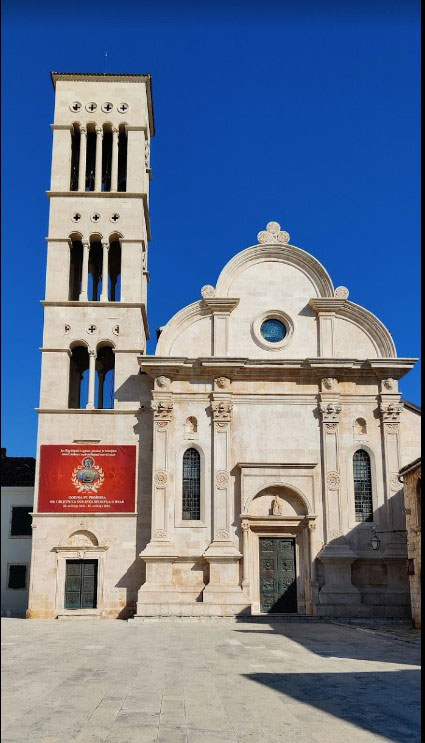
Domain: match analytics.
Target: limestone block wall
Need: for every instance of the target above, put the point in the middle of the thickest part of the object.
(412, 499)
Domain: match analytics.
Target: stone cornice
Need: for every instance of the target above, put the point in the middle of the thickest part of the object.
(84, 411)
(69, 127)
(241, 368)
(327, 304)
(285, 465)
(220, 304)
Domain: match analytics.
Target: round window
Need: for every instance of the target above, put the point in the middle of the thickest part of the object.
(272, 330)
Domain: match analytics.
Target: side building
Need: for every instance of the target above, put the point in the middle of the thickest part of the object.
(410, 475)
(17, 495)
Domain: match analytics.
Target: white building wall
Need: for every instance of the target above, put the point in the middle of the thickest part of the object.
(14, 550)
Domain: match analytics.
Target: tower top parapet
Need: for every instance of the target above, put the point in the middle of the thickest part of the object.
(108, 77)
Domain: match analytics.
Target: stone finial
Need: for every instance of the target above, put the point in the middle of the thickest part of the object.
(207, 291)
(341, 292)
(273, 235)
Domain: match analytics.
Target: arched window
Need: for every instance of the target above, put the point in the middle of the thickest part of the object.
(191, 485)
(360, 426)
(75, 269)
(105, 381)
(362, 486)
(95, 269)
(106, 157)
(75, 156)
(122, 158)
(114, 288)
(78, 377)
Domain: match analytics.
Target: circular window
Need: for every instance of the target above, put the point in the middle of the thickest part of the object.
(273, 330)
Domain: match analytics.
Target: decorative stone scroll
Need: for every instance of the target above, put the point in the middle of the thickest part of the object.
(207, 291)
(221, 412)
(273, 235)
(330, 412)
(341, 292)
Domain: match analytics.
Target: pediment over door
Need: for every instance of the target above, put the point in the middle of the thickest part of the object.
(293, 485)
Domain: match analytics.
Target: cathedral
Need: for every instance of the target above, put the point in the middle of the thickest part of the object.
(251, 465)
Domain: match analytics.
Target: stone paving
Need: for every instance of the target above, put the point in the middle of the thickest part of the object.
(93, 681)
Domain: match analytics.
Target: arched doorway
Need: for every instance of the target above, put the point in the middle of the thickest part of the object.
(276, 528)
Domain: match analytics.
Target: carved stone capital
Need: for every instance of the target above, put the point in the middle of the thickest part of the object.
(244, 525)
(330, 412)
(99, 130)
(221, 411)
(162, 411)
(105, 244)
(390, 412)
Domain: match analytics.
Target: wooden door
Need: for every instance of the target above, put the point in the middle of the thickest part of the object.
(81, 584)
(278, 582)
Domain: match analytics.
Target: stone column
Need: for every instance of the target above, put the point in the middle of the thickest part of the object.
(104, 294)
(98, 173)
(85, 271)
(92, 377)
(160, 554)
(114, 164)
(222, 554)
(82, 160)
(336, 555)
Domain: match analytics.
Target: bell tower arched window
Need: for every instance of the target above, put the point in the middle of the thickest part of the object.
(191, 485)
(362, 486)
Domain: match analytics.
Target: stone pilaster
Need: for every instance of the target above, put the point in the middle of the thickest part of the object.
(160, 554)
(105, 254)
(222, 554)
(336, 555)
(85, 271)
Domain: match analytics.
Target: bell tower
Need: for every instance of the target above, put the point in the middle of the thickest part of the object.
(96, 286)
(95, 328)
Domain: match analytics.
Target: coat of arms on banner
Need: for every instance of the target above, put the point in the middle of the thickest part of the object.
(89, 477)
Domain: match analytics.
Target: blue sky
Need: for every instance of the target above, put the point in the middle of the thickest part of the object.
(306, 113)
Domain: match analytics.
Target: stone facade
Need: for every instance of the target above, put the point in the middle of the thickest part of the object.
(273, 423)
(411, 478)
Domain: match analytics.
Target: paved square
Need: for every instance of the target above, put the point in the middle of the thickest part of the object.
(92, 681)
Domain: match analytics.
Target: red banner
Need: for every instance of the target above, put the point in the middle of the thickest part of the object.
(87, 479)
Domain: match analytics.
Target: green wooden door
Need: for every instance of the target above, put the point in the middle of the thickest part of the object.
(278, 582)
(81, 584)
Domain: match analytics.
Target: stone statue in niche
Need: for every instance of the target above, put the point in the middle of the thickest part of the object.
(277, 506)
(191, 425)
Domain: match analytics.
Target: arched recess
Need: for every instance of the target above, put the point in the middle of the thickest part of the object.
(106, 156)
(78, 375)
(290, 501)
(122, 157)
(75, 155)
(82, 538)
(94, 287)
(75, 266)
(105, 375)
(114, 271)
(294, 494)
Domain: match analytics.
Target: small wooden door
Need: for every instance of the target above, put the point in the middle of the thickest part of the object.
(278, 582)
(81, 584)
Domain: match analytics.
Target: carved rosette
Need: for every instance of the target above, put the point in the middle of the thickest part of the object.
(330, 412)
(221, 479)
(162, 412)
(392, 427)
(160, 534)
(333, 480)
(160, 478)
(222, 535)
(221, 412)
(391, 412)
